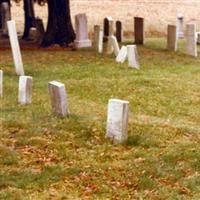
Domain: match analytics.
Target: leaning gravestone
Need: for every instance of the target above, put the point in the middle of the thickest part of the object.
(58, 98)
(122, 55)
(108, 28)
(119, 31)
(139, 30)
(179, 29)
(133, 56)
(25, 89)
(191, 45)
(15, 48)
(171, 38)
(117, 120)
(114, 44)
(82, 39)
(1, 83)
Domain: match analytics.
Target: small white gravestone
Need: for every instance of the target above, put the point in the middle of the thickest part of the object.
(133, 56)
(1, 83)
(117, 120)
(15, 48)
(58, 98)
(115, 45)
(100, 42)
(82, 39)
(122, 56)
(25, 89)
(191, 44)
(179, 30)
(171, 38)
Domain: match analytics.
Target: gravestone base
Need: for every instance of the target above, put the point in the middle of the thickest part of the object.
(83, 43)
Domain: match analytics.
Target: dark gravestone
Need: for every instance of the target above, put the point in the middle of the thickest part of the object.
(119, 31)
(106, 29)
(40, 30)
(139, 30)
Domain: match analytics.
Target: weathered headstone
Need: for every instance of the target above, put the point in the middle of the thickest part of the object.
(133, 56)
(108, 28)
(171, 38)
(114, 44)
(110, 48)
(1, 83)
(40, 30)
(58, 98)
(139, 30)
(96, 36)
(25, 89)
(15, 48)
(122, 55)
(100, 42)
(117, 120)
(119, 31)
(191, 45)
(179, 30)
(82, 39)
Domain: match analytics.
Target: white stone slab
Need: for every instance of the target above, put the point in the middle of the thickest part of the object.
(122, 56)
(58, 98)
(133, 56)
(117, 120)
(100, 42)
(171, 38)
(25, 89)
(15, 48)
(1, 83)
(115, 45)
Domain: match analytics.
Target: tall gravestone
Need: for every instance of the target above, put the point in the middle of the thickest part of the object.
(119, 31)
(58, 98)
(15, 48)
(100, 42)
(108, 28)
(180, 23)
(82, 39)
(25, 89)
(117, 120)
(171, 38)
(191, 44)
(139, 30)
(133, 56)
(1, 83)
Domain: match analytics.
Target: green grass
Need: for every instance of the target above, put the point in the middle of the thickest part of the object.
(46, 157)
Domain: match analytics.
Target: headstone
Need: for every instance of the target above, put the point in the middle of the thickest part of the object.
(15, 48)
(96, 36)
(139, 30)
(58, 98)
(110, 48)
(119, 31)
(25, 89)
(100, 42)
(133, 56)
(117, 120)
(122, 55)
(40, 30)
(1, 83)
(108, 28)
(198, 37)
(191, 45)
(114, 44)
(171, 38)
(180, 33)
(82, 39)
(5, 16)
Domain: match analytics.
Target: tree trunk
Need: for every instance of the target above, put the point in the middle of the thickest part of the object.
(59, 28)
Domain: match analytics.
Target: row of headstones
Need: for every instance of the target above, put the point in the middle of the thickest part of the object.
(190, 35)
(117, 117)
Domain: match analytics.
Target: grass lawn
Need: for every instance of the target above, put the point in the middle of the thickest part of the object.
(45, 157)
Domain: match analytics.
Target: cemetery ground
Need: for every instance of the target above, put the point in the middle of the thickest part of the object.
(46, 157)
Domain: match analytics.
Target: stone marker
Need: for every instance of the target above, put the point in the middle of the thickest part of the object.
(119, 31)
(114, 44)
(191, 46)
(40, 30)
(139, 30)
(132, 56)
(108, 28)
(110, 48)
(15, 48)
(122, 55)
(82, 39)
(25, 89)
(179, 30)
(100, 42)
(96, 36)
(171, 38)
(58, 98)
(1, 83)
(117, 120)
(198, 37)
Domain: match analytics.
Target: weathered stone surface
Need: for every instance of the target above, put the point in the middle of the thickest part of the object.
(122, 55)
(1, 83)
(171, 38)
(115, 45)
(15, 48)
(25, 89)
(119, 31)
(110, 48)
(82, 39)
(179, 30)
(58, 98)
(96, 36)
(133, 56)
(100, 42)
(139, 30)
(117, 120)
(191, 44)
(108, 28)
